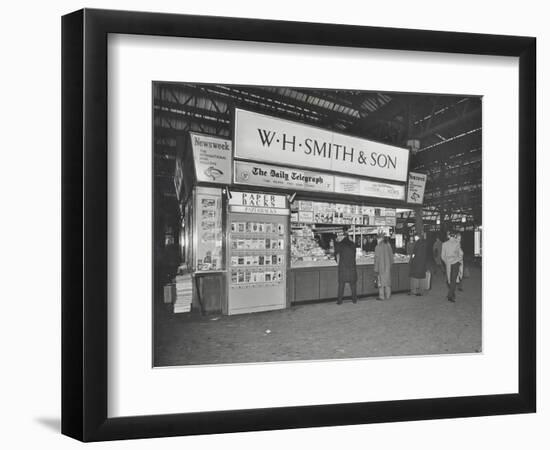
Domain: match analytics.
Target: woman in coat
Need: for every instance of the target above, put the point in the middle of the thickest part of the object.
(410, 246)
(383, 260)
(417, 265)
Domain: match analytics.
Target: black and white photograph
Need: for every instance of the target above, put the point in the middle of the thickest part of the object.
(299, 224)
(275, 225)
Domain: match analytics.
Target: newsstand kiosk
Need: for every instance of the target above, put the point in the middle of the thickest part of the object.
(261, 213)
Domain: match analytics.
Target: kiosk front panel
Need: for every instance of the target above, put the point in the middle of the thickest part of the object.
(257, 259)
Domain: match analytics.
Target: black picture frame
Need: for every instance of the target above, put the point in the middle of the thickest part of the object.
(84, 224)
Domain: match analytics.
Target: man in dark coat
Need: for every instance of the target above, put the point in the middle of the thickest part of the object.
(436, 252)
(347, 269)
(418, 264)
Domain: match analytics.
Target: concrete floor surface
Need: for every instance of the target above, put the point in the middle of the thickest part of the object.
(403, 325)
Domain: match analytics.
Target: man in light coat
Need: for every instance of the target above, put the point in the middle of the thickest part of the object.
(451, 254)
(383, 260)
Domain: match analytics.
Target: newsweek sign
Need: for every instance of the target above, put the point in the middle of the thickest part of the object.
(416, 187)
(212, 156)
(259, 137)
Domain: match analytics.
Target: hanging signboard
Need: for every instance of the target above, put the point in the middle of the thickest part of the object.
(212, 156)
(264, 138)
(416, 187)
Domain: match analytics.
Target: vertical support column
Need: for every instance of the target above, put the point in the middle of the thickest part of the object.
(442, 225)
(419, 221)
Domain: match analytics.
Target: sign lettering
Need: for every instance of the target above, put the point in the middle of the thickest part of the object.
(263, 138)
(254, 174)
(257, 200)
(416, 187)
(282, 177)
(212, 158)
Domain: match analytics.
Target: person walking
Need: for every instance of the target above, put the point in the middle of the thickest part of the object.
(347, 269)
(383, 260)
(436, 252)
(461, 269)
(417, 265)
(451, 254)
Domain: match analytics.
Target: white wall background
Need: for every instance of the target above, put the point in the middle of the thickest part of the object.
(30, 221)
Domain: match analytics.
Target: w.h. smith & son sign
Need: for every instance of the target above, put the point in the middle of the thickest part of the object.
(259, 137)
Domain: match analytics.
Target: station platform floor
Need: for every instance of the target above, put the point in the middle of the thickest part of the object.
(401, 326)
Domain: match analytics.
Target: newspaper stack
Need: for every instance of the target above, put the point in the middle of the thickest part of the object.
(184, 293)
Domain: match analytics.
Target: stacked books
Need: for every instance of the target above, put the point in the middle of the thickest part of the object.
(184, 293)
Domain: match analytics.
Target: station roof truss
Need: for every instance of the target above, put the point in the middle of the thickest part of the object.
(447, 127)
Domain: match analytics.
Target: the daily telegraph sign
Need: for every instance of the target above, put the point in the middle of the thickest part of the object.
(282, 177)
(257, 174)
(268, 139)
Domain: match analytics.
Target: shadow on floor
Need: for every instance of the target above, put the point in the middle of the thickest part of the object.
(52, 423)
